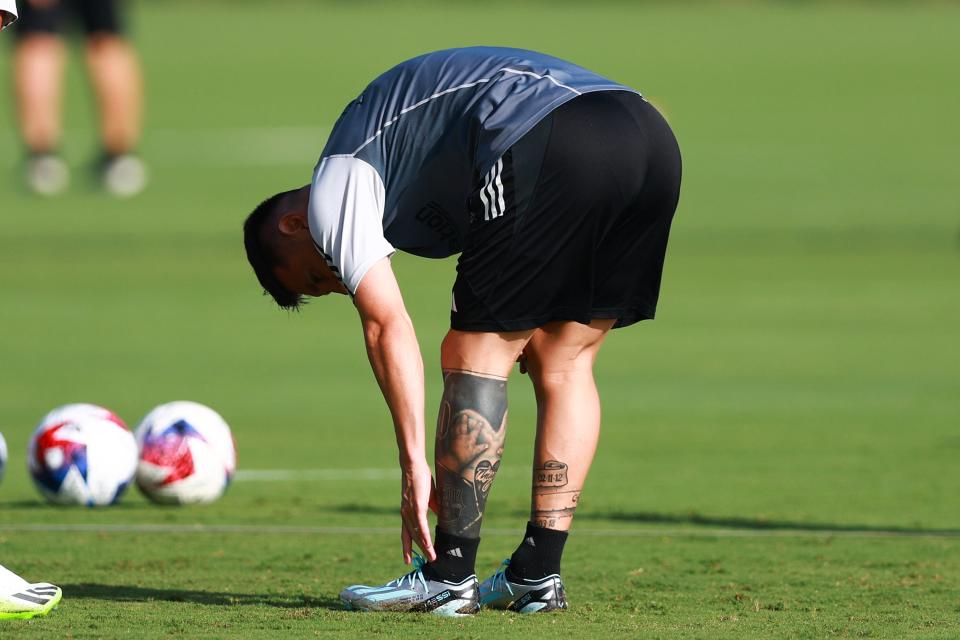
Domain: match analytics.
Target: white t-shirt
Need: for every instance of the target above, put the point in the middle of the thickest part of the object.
(10, 6)
(346, 217)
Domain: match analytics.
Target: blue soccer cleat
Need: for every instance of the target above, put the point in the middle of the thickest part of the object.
(527, 596)
(416, 592)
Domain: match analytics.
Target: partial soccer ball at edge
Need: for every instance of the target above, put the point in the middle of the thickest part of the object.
(82, 454)
(187, 454)
(3, 456)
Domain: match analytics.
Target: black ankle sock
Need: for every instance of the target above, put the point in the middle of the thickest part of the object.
(538, 556)
(456, 557)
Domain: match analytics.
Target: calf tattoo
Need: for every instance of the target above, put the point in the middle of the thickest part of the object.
(553, 500)
(471, 429)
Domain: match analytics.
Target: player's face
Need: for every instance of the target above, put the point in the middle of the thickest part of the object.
(303, 271)
(306, 272)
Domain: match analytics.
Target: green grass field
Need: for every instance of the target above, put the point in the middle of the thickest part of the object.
(780, 448)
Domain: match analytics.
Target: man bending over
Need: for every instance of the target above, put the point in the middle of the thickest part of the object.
(557, 187)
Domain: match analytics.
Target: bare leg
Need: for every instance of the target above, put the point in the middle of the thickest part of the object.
(115, 74)
(560, 359)
(472, 424)
(38, 78)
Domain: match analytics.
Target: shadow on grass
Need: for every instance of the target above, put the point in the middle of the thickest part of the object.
(695, 519)
(368, 509)
(129, 593)
(738, 522)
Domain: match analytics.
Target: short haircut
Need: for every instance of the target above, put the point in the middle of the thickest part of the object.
(263, 257)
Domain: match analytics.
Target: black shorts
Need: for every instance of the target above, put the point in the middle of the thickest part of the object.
(96, 16)
(572, 222)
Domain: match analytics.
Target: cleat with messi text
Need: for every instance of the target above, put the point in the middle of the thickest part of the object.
(526, 596)
(416, 592)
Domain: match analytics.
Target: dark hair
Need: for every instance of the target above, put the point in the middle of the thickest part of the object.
(264, 258)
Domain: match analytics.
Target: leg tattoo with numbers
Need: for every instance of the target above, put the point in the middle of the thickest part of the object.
(471, 429)
(554, 500)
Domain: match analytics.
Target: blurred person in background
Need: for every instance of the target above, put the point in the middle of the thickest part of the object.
(114, 73)
(19, 598)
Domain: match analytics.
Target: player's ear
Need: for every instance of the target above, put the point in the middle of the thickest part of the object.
(293, 223)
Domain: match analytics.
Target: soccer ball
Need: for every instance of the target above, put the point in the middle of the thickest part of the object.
(3, 456)
(187, 454)
(82, 454)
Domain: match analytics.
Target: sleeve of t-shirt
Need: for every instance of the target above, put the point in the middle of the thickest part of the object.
(346, 217)
(10, 7)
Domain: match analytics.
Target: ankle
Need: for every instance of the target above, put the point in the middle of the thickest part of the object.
(539, 555)
(456, 557)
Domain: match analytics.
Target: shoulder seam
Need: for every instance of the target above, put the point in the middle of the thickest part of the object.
(353, 156)
(439, 94)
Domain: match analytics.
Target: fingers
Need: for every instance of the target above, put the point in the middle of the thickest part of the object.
(417, 496)
(405, 542)
(419, 533)
(423, 537)
(406, 534)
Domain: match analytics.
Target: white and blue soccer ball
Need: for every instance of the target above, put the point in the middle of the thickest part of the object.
(187, 454)
(3, 456)
(82, 454)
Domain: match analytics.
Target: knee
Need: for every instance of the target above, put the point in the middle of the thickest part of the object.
(557, 381)
(38, 44)
(486, 353)
(455, 352)
(556, 371)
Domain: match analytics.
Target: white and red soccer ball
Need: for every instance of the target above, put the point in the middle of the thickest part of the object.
(187, 454)
(82, 454)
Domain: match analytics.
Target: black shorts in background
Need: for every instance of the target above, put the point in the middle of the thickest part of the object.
(96, 16)
(572, 222)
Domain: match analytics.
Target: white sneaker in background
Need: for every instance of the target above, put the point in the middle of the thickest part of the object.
(124, 176)
(46, 174)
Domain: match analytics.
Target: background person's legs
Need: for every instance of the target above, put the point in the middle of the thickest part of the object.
(115, 75)
(38, 83)
(559, 359)
(38, 80)
(114, 71)
(471, 429)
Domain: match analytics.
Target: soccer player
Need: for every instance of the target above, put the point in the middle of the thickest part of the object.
(114, 72)
(557, 187)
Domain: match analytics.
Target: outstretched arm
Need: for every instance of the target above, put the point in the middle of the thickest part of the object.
(395, 358)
